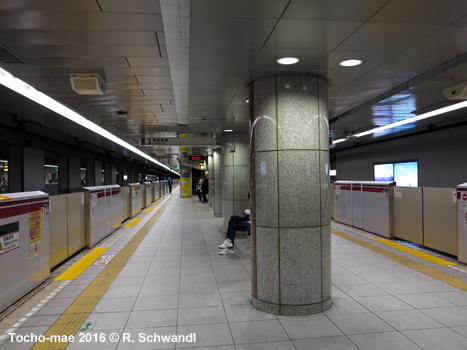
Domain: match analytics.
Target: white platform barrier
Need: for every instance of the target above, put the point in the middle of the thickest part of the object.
(163, 188)
(462, 222)
(103, 212)
(147, 194)
(156, 186)
(24, 244)
(367, 205)
(136, 198)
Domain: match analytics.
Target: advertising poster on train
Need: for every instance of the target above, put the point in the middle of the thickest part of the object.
(35, 233)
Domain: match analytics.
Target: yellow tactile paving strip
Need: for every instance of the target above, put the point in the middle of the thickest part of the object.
(72, 319)
(441, 276)
(148, 210)
(422, 255)
(133, 222)
(82, 264)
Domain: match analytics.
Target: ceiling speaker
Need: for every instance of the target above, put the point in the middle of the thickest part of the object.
(88, 84)
(456, 92)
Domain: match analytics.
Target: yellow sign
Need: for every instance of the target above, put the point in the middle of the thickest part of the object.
(184, 157)
(186, 182)
(35, 233)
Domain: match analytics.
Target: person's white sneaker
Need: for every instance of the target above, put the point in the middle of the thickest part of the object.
(227, 251)
(226, 244)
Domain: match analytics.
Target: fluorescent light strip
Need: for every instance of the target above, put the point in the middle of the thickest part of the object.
(436, 112)
(28, 91)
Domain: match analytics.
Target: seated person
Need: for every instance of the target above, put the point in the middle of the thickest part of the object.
(236, 223)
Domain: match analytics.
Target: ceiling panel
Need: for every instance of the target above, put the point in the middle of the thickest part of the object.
(334, 10)
(78, 62)
(381, 80)
(229, 32)
(447, 41)
(137, 85)
(152, 79)
(222, 58)
(389, 38)
(238, 8)
(79, 37)
(212, 90)
(421, 12)
(363, 93)
(462, 22)
(71, 20)
(412, 63)
(49, 5)
(320, 36)
(143, 62)
(138, 71)
(134, 6)
(149, 52)
(159, 93)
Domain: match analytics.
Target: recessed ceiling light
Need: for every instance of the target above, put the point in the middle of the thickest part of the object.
(351, 63)
(228, 130)
(247, 101)
(288, 60)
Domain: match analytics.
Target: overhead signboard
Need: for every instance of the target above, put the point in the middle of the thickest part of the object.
(197, 157)
(177, 141)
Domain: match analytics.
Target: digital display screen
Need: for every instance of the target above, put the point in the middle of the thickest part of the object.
(384, 172)
(406, 174)
(333, 172)
(197, 157)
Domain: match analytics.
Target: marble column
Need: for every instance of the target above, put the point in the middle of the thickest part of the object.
(235, 175)
(217, 198)
(210, 167)
(291, 231)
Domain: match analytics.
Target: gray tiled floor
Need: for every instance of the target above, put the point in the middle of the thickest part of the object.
(176, 283)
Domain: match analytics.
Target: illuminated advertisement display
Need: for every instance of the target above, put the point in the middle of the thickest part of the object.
(404, 173)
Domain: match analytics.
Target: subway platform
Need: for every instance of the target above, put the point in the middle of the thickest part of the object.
(160, 284)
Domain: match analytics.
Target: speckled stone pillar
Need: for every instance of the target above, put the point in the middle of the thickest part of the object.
(235, 175)
(291, 229)
(217, 200)
(211, 178)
